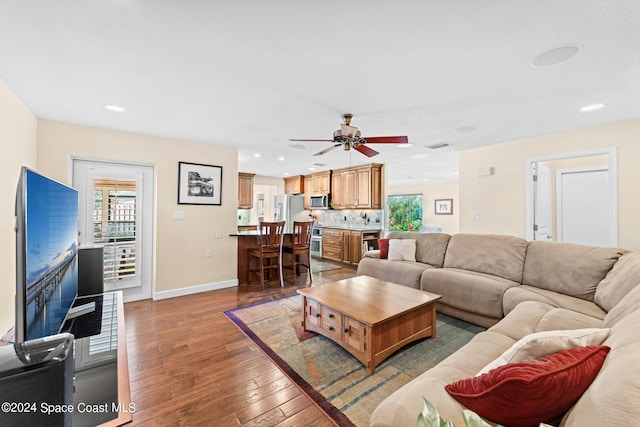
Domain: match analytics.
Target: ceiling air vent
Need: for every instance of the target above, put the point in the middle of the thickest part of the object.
(436, 146)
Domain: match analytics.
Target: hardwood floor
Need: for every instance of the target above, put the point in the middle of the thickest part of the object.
(190, 366)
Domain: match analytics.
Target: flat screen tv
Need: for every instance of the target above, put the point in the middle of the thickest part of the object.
(46, 255)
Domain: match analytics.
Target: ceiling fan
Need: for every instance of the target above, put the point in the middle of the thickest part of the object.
(349, 137)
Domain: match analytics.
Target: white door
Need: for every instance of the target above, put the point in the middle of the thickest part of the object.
(542, 214)
(584, 211)
(116, 212)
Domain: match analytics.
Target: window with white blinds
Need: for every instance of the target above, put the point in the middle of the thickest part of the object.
(114, 220)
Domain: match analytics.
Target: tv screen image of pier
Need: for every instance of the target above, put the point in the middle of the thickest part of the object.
(51, 254)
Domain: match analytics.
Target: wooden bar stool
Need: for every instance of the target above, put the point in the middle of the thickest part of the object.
(269, 249)
(299, 248)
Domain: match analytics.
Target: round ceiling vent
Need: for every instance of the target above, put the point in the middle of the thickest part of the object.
(556, 55)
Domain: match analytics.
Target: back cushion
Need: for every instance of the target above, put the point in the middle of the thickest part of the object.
(494, 254)
(430, 247)
(568, 268)
(623, 277)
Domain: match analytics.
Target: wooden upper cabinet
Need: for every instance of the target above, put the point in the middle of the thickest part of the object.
(308, 184)
(245, 190)
(337, 190)
(320, 183)
(294, 184)
(357, 188)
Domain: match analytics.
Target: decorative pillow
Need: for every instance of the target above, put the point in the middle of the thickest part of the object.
(540, 344)
(402, 250)
(529, 393)
(383, 245)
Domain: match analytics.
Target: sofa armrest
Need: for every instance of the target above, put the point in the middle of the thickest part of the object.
(372, 254)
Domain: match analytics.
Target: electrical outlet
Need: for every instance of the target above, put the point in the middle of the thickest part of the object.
(178, 214)
(218, 234)
(475, 215)
(207, 252)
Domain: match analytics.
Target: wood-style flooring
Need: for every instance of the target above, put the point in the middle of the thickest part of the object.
(190, 366)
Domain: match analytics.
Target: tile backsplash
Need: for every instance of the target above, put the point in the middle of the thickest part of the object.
(355, 218)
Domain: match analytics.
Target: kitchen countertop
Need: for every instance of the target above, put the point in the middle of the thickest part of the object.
(352, 227)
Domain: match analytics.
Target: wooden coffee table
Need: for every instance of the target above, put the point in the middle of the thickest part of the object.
(369, 318)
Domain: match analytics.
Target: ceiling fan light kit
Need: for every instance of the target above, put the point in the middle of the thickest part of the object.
(349, 137)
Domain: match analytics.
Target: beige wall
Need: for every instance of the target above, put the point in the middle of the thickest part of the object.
(18, 139)
(430, 192)
(500, 198)
(179, 244)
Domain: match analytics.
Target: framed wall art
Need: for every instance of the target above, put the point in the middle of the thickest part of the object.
(199, 184)
(444, 206)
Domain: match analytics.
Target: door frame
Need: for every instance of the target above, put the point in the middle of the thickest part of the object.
(148, 258)
(612, 157)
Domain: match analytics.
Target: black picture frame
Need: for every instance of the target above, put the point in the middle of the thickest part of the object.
(199, 184)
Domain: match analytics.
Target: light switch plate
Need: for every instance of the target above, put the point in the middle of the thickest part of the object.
(178, 214)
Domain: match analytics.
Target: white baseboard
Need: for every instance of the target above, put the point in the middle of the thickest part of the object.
(195, 289)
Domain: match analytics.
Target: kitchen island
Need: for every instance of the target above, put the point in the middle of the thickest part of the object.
(248, 240)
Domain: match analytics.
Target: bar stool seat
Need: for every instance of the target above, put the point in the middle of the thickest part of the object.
(268, 253)
(299, 249)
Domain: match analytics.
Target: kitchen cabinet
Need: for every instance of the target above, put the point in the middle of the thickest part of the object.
(320, 183)
(245, 190)
(307, 194)
(294, 184)
(316, 183)
(357, 188)
(346, 246)
(332, 244)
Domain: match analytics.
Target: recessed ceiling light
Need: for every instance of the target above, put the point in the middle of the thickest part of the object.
(281, 159)
(426, 179)
(114, 108)
(256, 155)
(312, 169)
(299, 146)
(286, 174)
(406, 145)
(555, 56)
(592, 107)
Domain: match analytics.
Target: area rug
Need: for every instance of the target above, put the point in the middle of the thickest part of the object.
(335, 380)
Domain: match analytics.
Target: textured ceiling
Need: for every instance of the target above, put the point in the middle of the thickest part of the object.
(252, 74)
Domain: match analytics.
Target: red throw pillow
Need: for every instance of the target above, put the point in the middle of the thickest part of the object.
(383, 245)
(530, 393)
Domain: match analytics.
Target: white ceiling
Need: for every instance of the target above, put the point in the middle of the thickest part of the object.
(252, 74)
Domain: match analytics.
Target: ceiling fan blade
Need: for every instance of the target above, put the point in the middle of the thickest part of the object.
(311, 140)
(369, 152)
(387, 139)
(326, 150)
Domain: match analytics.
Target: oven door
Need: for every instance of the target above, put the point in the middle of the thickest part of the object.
(316, 247)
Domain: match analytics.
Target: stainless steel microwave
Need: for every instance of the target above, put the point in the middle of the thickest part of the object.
(319, 201)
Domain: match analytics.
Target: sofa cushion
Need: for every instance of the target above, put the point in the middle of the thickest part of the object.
(402, 250)
(526, 394)
(613, 399)
(430, 247)
(514, 296)
(568, 268)
(493, 254)
(468, 290)
(624, 276)
(629, 304)
(401, 272)
(540, 344)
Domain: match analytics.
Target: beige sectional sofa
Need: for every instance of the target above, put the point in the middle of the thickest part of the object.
(516, 288)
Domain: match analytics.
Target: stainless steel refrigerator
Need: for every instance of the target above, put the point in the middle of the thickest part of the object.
(289, 208)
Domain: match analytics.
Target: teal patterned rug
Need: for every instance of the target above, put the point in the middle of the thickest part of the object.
(331, 376)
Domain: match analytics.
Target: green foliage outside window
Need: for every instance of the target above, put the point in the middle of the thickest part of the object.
(405, 212)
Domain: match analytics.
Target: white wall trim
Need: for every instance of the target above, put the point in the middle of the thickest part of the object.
(195, 289)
